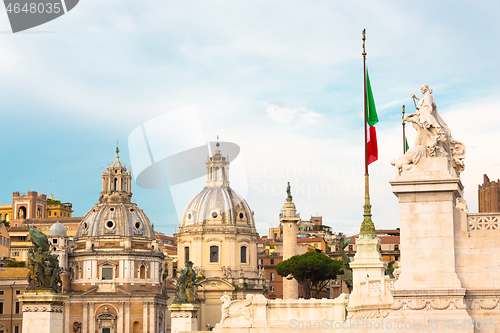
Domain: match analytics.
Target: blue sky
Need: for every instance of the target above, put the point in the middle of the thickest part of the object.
(281, 79)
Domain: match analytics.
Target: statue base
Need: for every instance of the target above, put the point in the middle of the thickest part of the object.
(184, 317)
(42, 311)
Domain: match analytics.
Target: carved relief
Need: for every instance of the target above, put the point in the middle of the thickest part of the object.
(428, 305)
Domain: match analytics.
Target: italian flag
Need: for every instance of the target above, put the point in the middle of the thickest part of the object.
(371, 120)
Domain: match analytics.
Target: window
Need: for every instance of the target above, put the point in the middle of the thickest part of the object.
(350, 247)
(272, 261)
(214, 254)
(50, 213)
(1, 307)
(259, 261)
(55, 213)
(18, 292)
(1, 292)
(17, 308)
(107, 273)
(316, 245)
(243, 258)
(15, 254)
(16, 329)
(54, 241)
(272, 276)
(186, 254)
(216, 173)
(396, 247)
(271, 288)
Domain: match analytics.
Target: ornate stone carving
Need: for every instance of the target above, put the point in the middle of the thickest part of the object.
(433, 137)
(43, 308)
(236, 309)
(226, 272)
(483, 222)
(428, 304)
(199, 271)
(369, 314)
(479, 304)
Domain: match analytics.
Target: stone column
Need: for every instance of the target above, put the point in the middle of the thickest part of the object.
(84, 319)
(127, 317)
(152, 317)
(119, 325)
(289, 219)
(428, 289)
(184, 317)
(145, 317)
(42, 312)
(67, 315)
(91, 318)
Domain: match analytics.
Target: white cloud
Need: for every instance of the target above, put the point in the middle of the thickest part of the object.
(292, 115)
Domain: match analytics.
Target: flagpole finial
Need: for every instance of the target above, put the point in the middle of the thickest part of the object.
(364, 38)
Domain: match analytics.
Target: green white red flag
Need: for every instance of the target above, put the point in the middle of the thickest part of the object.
(371, 120)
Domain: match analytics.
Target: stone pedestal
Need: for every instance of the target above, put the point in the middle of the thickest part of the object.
(42, 311)
(367, 261)
(428, 289)
(368, 271)
(184, 317)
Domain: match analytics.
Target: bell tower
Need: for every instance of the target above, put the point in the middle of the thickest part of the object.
(116, 182)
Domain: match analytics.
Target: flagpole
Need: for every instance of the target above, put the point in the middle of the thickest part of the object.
(367, 227)
(404, 136)
(365, 117)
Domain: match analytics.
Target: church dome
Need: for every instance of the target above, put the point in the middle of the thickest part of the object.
(115, 214)
(115, 219)
(57, 229)
(217, 205)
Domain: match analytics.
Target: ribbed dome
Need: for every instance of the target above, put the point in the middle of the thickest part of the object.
(217, 205)
(57, 229)
(115, 219)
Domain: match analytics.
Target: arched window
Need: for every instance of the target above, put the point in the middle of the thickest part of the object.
(186, 254)
(135, 327)
(243, 255)
(116, 184)
(214, 253)
(217, 174)
(223, 174)
(38, 213)
(143, 272)
(211, 173)
(22, 213)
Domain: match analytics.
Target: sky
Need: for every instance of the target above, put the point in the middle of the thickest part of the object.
(283, 80)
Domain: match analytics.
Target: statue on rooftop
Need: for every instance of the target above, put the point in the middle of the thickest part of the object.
(289, 191)
(44, 270)
(433, 136)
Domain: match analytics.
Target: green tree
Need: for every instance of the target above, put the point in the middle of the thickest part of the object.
(7, 224)
(311, 269)
(15, 263)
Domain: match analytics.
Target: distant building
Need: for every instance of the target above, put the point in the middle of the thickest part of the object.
(34, 205)
(13, 281)
(389, 246)
(489, 196)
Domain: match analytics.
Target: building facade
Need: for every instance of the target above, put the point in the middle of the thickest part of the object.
(489, 196)
(115, 267)
(217, 233)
